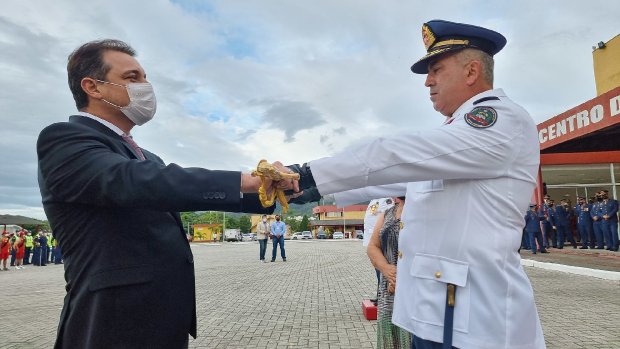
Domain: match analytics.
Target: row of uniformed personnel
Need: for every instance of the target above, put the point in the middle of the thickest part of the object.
(597, 222)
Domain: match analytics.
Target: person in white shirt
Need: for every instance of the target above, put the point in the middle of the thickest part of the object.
(459, 279)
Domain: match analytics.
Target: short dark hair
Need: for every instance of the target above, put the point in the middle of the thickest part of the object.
(87, 61)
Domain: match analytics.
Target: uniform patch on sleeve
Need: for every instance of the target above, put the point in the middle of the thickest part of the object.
(481, 117)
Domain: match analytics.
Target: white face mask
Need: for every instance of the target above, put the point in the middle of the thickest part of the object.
(142, 103)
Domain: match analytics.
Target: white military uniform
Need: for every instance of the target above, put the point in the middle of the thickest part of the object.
(374, 209)
(463, 219)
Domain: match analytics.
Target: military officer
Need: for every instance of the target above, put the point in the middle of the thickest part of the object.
(584, 222)
(532, 228)
(562, 215)
(597, 218)
(552, 219)
(458, 258)
(545, 225)
(609, 223)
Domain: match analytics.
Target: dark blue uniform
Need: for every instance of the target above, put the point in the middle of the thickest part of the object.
(532, 227)
(584, 224)
(609, 226)
(596, 213)
(545, 224)
(562, 225)
(551, 217)
(43, 251)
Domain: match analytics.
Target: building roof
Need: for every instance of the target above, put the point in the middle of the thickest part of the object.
(333, 208)
(337, 222)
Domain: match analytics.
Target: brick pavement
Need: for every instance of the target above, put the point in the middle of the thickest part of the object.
(311, 301)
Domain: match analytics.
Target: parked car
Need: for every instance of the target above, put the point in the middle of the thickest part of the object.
(306, 235)
(338, 235)
(296, 236)
(321, 235)
(232, 235)
(359, 234)
(247, 237)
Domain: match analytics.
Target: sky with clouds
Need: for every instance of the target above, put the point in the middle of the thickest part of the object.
(238, 81)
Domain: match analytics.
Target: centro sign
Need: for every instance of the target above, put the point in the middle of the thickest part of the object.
(579, 121)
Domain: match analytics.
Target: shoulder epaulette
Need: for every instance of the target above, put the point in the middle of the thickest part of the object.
(484, 99)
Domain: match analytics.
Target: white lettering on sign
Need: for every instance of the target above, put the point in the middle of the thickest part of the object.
(614, 106)
(596, 114)
(582, 119)
(542, 138)
(571, 122)
(551, 131)
(578, 121)
(560, 128)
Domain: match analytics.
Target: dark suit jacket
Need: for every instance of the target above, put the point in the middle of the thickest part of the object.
(128, 266)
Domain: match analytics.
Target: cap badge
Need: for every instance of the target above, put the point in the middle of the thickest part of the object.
(481, 117)
(427, 36)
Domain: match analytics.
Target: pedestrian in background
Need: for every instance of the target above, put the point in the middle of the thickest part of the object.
(20, 250)
(278, 229)
(43, 251)
(262, 233)
(5, 250)
(29, 246)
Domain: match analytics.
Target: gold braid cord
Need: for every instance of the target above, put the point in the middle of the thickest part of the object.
(266, 171)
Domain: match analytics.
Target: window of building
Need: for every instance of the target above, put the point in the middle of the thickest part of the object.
(333, 214)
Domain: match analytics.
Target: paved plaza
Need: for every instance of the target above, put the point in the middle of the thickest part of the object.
(311, 301)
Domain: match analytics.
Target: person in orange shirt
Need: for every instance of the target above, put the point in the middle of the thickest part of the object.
(5, 247)
(20, 250)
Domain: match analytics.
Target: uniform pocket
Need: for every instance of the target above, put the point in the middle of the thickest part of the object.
(432, 274)
(429, 186)
(117, 277)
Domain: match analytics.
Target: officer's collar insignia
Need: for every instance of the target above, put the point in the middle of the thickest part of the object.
(481, 117)
(427, 36)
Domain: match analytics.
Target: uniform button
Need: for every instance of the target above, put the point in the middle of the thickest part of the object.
(437, 274)
(402, 225)
(400, 254)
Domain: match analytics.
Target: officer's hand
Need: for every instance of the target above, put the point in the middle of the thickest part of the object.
(305, 176)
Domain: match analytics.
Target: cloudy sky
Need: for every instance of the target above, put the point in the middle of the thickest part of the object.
(238, 81)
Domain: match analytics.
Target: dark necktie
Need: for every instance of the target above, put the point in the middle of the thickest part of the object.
(134, 145)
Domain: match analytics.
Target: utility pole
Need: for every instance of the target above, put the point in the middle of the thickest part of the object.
(344, 224)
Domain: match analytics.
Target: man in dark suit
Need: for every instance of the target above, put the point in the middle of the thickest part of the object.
(135, 287)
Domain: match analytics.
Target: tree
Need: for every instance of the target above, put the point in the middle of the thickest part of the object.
(304, 224)
(245, 224)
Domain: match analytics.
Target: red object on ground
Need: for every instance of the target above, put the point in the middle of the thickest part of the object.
(369, 309)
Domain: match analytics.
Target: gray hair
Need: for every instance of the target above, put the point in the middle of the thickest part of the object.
(486, 62)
